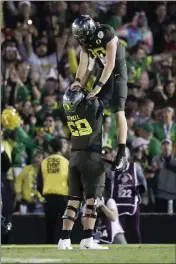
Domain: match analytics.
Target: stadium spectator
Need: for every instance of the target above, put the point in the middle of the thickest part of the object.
(137, 30)
(26, 187)
(170, 38)
(144, 115)
(158, 26)
(145, 131)
(164, 181)
(166, 128)
(42, 138)
(137, 62)
(85, 8)
(170, 91)
(118, 12)
(49, 124)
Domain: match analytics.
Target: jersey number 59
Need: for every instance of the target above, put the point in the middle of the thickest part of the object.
(79, 128)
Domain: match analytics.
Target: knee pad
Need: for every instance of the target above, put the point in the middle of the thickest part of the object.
(74, 198)
(68, 217)
(93, 208)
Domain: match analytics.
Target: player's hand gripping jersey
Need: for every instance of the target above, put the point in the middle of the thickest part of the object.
(85, 124)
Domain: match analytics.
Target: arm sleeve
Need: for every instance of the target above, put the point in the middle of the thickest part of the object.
(12, 8)
(19, 181)
(140, 177)
(40, 181)
(33, 59)
(149, 60)
(155, 159)
(23, 137)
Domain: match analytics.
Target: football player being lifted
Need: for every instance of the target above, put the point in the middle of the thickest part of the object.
(99, 44)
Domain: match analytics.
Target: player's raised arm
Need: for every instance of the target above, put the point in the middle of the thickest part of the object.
(82, 28)
(90, 68)
(82, 69)
(111, 49)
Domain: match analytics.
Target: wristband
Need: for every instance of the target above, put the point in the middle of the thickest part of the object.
(100, 84)
(77, 80)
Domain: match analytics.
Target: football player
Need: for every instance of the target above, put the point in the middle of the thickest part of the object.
(100, 44)
(86, 168)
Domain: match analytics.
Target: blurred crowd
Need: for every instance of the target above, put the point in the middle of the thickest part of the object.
(39, 59)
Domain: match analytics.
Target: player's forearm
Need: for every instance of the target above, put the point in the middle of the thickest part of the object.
(161, 57)
(80, 73)
(85, 78)
(90, 68)
(106, 73)
(109, 214)
(83, 65)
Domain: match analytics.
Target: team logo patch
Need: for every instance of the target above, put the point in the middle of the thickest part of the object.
(98, 41)
(100, 34)
(124, 177)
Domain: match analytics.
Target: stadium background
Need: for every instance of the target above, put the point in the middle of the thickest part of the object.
(39, 61)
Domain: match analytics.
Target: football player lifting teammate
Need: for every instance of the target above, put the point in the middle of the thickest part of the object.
(86, 167)
(99, 44)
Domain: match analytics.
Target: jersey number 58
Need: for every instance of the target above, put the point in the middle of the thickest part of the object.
(79, 128)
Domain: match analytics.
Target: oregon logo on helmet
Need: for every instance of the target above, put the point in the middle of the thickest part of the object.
(98, 41)
(71, 99)
(67, 106)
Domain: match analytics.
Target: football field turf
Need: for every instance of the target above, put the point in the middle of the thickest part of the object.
(115, 254)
